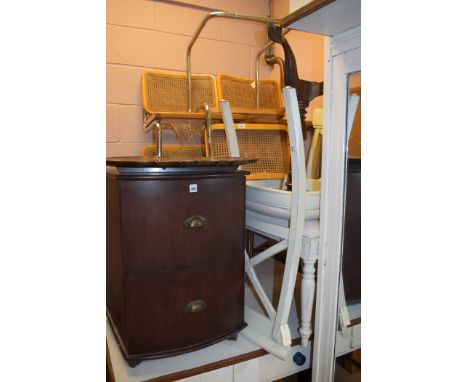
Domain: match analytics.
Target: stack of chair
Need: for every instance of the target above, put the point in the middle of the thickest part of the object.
(165, 106)
(241, 94)
(262, 132)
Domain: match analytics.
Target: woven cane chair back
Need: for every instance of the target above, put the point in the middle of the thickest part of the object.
(267, 142)
(164, 92)
(241, 93)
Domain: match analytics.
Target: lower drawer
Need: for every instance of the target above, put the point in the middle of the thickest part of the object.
(174, 311)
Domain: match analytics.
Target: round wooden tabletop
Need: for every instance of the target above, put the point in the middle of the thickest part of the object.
(177, 162)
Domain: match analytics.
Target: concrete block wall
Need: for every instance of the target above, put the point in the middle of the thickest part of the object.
(145, 34)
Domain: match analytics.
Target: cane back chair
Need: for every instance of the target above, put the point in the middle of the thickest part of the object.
(165, 105)
(241, 94)
(267, 142)
(262, 132)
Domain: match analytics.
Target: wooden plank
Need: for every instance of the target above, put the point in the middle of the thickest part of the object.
(165, 162)
(351, 362)
(303, 11)
(109, 370)
(327, 18)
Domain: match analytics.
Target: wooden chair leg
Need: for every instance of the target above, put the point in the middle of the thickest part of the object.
(307, 298)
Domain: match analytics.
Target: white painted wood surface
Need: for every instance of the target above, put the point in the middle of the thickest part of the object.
(296, 224)
(348, 344)
(268, 368)
(340, 19)
(231, 137)
(281, 215)
(344, 328)
(220, 375)
(259, 331)
(331, 20)
(338, 65)
(307, 296)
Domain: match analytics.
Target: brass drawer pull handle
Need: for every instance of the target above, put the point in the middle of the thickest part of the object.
(195, 221)
(195, 306)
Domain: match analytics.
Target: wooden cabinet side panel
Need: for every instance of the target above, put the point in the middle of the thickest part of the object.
(115, 299)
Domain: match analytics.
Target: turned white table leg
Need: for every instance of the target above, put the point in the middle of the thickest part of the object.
(307, 298)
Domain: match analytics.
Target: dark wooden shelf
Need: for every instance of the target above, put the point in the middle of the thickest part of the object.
(303, 11)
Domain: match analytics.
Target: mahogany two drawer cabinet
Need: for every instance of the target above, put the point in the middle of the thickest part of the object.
(175, 257)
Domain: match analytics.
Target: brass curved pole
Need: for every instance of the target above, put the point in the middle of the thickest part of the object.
(226, 15)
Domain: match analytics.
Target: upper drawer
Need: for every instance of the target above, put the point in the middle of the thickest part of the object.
(181, 222)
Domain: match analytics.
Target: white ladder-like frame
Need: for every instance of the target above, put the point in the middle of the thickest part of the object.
(289, 238)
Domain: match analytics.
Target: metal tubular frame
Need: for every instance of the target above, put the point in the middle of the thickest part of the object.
(159, 132)
(226, 15)
(149, 123)
(208, 129)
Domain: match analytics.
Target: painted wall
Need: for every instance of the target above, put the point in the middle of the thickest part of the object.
(144, 34)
